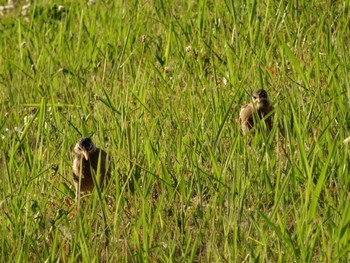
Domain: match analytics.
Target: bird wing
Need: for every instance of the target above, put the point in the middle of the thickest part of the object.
(246, 117)
(246, 112)
(76, 169)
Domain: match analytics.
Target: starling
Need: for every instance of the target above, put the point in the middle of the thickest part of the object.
(261, 107)
(85, 166)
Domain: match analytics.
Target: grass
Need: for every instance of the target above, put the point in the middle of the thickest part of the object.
(158, 85)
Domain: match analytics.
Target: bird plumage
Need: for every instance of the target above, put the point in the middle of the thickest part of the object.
(85, 166)
(261, 107)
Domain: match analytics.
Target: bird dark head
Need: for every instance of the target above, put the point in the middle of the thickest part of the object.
(260, 98)
(260, 93)
(85, 147)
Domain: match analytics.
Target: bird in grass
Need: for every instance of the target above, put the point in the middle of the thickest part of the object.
(85, 166)
(261, 107)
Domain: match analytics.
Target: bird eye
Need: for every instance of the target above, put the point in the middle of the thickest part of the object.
(254, 97)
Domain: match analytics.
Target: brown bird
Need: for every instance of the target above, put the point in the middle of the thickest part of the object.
(261, 107)
(85, 166)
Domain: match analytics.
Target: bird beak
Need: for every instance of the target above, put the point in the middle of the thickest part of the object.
(86, 155)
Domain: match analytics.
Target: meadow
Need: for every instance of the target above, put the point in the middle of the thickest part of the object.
(159, 85)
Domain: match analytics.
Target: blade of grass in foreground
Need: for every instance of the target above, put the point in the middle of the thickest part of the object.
(300, 143)
(296, 64)
(286, 239)
(320, 181)
(41, 118)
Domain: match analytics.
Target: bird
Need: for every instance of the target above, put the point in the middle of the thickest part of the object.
(261, 107)
(85, 166)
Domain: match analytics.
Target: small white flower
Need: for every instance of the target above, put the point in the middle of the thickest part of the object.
(143, 39)
(9, 7)
(25, 120)
(91, 2)
(25, 10)
(26, 7)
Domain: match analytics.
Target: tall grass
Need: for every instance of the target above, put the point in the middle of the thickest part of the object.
(158, 85)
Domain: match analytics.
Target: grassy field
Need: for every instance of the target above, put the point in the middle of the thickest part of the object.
(158, 85)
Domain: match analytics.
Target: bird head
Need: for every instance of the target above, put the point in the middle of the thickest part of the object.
(260, 98)
(85, 147)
